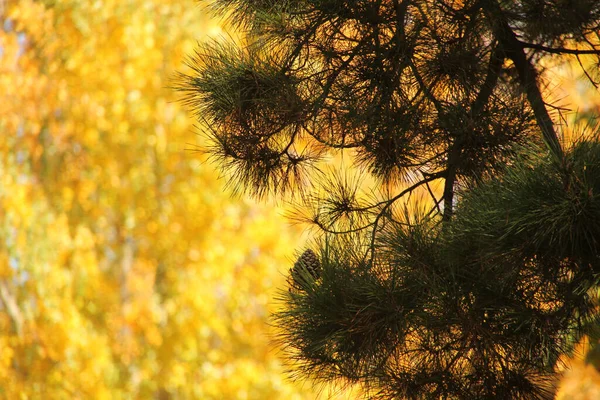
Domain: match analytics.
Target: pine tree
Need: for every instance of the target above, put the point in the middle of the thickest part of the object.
(478, 289)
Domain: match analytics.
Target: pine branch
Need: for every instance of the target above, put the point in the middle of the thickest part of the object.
(479, 300)
(514, 50)
(389, 203)
(558, 50)
(454, 155)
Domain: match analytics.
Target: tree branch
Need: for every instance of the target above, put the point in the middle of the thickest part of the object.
(391, 201)
(514, 50)
(494, 68)
(558, 50)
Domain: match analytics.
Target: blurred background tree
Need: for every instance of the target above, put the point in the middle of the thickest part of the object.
(126, 271)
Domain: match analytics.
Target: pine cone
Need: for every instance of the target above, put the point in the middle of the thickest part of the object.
(306, 267)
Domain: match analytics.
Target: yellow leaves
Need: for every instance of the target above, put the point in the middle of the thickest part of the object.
(5, 270)
(130, 273)
(6, 356)
(67, 197)
(53, 336)
(15, 197)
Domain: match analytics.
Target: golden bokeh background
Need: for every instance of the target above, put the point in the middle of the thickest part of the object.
(127, 271)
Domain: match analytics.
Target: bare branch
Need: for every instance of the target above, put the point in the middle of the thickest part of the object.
(558, 50)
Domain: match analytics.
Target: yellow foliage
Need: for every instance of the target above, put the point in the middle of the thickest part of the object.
(125, 270)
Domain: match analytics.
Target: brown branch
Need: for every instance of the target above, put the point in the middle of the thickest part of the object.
(514, 50)
(558, 50)
(390, 202)
(494, 68)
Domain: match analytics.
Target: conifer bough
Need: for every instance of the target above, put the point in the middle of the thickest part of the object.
(479, 290)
